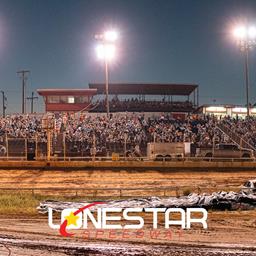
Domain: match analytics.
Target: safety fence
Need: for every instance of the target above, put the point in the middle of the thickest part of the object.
(119, 192)
(59, 148)
(99, 192)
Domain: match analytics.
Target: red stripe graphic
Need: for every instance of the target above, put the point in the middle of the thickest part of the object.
(63, 226)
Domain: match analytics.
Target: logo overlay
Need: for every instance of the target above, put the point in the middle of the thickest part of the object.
(72, 218)
(114, 218)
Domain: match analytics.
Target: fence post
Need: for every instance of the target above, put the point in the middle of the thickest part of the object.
(36, 147)
(177, 192)
(26, 149)
(64, 146)
(7, 146)
(94, 147)
(125, 144)
(48, 145)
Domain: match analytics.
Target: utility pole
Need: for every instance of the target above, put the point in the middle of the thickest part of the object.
(4, 101)
(32, 98)
(24, 76)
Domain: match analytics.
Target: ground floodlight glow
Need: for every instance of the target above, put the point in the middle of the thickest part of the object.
(240, 32)
(105, 51)
(252, 32)
(110, 36)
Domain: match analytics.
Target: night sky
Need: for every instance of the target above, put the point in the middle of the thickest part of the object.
(166, 41)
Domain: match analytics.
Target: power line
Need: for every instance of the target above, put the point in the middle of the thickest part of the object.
(24, 76)
(32, 98)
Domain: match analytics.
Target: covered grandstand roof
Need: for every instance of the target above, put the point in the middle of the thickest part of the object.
(145, 89)
(67, 92)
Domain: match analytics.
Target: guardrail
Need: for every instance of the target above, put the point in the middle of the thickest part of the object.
(126, 159)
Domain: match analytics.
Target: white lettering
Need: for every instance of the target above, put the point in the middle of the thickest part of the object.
(202, 220)
(169, 222)
(106, 218)
(88, 214)
(133, 218)
(50, 220)
(155, 214)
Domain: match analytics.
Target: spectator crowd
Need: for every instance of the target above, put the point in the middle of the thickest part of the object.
(137, 105)
(84, 130)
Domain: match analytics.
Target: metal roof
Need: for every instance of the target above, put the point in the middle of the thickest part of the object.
(145, 89)
(68, 92)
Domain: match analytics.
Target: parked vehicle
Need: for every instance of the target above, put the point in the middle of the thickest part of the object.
(224, 151)
(167, 151)
(249, 186)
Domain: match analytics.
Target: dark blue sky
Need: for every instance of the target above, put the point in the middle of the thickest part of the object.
(172, 41)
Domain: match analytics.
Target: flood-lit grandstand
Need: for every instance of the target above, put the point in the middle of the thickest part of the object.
(141, 97)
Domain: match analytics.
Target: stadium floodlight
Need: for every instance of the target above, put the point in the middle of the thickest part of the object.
(106, 50)
(246, 40)
(245, 33)
(240, 32)
(111, 36)
(252, 32)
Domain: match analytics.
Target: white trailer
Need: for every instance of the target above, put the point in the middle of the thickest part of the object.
(167, 151)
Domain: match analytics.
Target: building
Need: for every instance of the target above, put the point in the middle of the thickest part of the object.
(68, 100)
(234, 111)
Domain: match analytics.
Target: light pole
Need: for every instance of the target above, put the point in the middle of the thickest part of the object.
(106, 82)
(246, 40)
(106, 50)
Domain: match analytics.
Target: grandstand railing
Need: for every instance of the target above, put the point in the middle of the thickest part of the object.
(130, 160)
(235, 137)
(63, 150)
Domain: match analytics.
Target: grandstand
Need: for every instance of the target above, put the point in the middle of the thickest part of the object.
(143, 97)
(130, 97)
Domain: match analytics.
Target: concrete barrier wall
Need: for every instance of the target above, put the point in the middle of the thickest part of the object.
(219, 165)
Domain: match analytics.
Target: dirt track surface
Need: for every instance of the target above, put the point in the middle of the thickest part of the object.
(32, 236)
(142, 180)
(12, 246)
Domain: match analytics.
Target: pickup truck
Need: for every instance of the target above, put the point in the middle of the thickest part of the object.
(224, 151)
